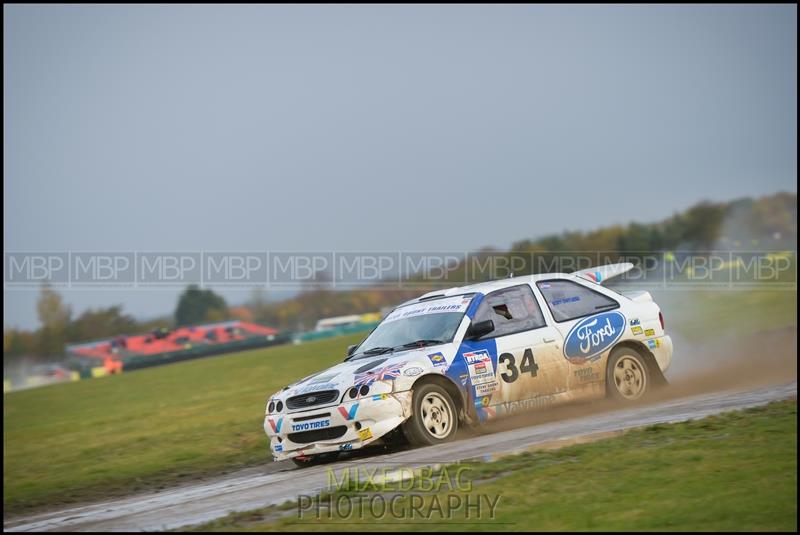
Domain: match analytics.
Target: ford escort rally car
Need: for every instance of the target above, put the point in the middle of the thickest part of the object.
(465, 355)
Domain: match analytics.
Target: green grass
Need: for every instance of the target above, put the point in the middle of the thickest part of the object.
(149, 428)
(698, 314)
(736, 471)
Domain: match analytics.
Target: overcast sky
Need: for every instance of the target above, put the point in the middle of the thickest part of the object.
(367, 128)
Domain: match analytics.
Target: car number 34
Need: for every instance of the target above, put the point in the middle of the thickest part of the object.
(527, 365)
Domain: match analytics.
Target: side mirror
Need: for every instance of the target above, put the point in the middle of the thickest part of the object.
(480, 328)
(351, 349)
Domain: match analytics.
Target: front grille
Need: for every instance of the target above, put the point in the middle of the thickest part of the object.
(312, 417)
(312, 399)
(307, 437)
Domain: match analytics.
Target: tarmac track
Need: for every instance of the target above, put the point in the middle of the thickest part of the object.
(275, 483)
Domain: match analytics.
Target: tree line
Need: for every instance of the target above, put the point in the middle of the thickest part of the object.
(765, 223)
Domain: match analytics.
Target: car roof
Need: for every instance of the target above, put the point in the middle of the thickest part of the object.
(490, 286)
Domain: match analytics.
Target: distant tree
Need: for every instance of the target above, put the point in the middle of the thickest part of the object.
(703, 224)
(196, 306)
(17, 343)
(102, 323)
(54, 316)
(51, 308)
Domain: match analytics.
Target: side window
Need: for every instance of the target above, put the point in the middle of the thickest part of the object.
(512, 310)
(569, 300)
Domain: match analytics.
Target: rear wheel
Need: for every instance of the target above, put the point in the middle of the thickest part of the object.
(627, 375)
(434, 418)
(313, 460)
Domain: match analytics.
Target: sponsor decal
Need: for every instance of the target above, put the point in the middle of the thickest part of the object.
(635, 322)
(587, 375)
(437, 359)
(308, 426)
(278, 448)
(480, 367)
(379, 397)
(565, 300)
(457, 304)
(484, 401)
(387, 373)
(591, 336)
(594, 276)
(486, 388)
(276, 426)
(348, 414)
(412, 372)
(464, 377)
(653, 344)
(315, 387)
(650, 332)
(510, 407)
(637, 330)
(484, 413)
(365, 434)
(324, 378)
(345, 447)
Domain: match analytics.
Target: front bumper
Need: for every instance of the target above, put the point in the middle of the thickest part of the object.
(343, 427)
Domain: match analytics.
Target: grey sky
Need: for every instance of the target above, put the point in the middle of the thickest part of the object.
(379, 127)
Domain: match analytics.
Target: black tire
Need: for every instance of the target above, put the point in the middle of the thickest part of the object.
(314, 460)
(628, 377)
(434, 418)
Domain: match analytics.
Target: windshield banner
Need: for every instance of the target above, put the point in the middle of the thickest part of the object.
(457, 304)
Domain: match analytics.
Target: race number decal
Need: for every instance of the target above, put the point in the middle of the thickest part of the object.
(528, 365)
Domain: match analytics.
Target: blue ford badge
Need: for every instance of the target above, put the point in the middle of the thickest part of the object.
(593, 335)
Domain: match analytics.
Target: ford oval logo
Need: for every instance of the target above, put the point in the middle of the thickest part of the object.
(593, 335)
(311, 399)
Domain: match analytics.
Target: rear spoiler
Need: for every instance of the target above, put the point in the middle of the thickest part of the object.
(601, 274)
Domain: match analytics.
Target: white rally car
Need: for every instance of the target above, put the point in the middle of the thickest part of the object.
(468, 354)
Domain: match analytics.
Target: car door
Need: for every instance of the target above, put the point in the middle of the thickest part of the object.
(589, 323)
(523, 349)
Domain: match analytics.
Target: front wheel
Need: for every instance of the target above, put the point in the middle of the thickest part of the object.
(627, 375)
(434, 418)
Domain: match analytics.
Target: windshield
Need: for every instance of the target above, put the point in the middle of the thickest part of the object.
(416, 325)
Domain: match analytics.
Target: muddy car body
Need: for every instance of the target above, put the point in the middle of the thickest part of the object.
(466, 355)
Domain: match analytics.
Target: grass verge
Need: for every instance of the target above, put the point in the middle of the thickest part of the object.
(736, 471)
(147, 429)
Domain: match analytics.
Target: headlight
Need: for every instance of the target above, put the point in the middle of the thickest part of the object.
(271, 407)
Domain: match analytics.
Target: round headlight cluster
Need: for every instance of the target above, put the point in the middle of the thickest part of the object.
(356, 391)
(275, 406)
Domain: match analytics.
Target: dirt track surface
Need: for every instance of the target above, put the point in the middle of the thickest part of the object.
(277, 482)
